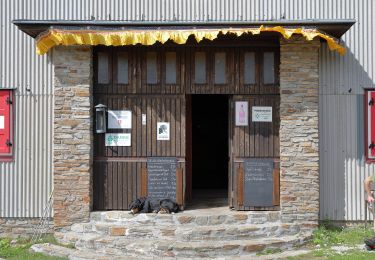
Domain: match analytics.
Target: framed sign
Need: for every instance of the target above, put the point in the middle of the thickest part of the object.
(2, 122)
(119, 119)
(162, 131)
(262, 114)
(117, 139)
(242, 114)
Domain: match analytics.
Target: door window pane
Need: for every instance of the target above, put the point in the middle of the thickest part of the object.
(268, 68)
(152, 73)
(103, 65)
(122, 68)
(170, 68)
(200, 68)
(220, 65)
(249, 68)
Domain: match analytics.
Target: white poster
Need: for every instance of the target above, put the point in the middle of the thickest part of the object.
(117, 139)
(162, 131)
(242, 113)
(119, 119)
(2, 122)
(262, 114)
(144, 118)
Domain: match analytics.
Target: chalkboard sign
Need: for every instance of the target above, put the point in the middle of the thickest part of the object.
(258, 182)
(162, 177)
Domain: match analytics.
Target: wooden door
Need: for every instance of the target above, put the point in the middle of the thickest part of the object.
(254, 140)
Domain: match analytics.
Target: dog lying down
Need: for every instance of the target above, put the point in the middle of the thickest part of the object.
(148, 205)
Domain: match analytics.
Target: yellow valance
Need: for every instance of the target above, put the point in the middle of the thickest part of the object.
(55, 37)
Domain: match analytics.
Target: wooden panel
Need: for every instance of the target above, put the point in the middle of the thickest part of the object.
(168, 108)
(179, 187)
(276, 184)
(240, 186)
(144, 182)
(258, 139)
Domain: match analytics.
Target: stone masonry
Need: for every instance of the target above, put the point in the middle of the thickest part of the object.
(72, 135)
(22, 227)
(299, 135)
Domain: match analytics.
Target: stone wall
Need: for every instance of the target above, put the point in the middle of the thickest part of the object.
(22, 227)
(299, 135)
(72, 135)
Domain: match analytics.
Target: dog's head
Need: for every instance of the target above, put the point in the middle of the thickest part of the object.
(137, 205)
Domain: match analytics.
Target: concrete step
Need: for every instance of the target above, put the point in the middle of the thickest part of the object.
(186, 233)
(165, 248)
(189, 218)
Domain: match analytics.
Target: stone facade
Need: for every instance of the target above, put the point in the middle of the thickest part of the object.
(299, 132)
(72, 135)
(22, 227)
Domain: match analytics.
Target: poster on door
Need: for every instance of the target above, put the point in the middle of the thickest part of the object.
(242, 113)
(262, 114)
(162, 131)
(118, 139)
(119, 119)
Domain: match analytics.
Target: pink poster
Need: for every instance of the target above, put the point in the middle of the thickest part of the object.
(242, 113)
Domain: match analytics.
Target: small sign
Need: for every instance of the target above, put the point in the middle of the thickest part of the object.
(144, 118)
(2, 122)
(242, 114)
(162, 131)
(119, 119)
(118, 139)
(262, 114)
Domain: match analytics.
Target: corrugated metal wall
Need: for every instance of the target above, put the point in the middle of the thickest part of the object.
(26, 183)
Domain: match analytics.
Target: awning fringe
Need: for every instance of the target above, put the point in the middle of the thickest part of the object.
(54, 37)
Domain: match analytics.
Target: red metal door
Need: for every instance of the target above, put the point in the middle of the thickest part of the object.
(5, 129)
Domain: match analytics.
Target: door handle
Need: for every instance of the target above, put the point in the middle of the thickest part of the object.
(8, 143)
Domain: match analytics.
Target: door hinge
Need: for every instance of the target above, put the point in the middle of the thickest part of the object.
(9, 101)
(8, 143)
(371, 146)
(371, 103)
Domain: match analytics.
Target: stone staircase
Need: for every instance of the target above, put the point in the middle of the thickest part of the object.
(187, 234)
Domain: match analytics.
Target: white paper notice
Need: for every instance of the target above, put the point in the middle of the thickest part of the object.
(119, 119)
(162, 131)
(2, 122)
(262, 114)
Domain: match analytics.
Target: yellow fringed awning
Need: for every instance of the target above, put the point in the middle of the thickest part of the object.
(54, 37)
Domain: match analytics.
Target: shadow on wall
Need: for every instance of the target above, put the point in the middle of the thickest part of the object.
(341, 125)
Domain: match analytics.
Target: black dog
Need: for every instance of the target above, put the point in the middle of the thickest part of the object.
(148, 205)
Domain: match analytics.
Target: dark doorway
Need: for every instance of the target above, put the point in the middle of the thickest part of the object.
(210, 145)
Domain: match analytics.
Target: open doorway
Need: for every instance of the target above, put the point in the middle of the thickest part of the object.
(210, 150)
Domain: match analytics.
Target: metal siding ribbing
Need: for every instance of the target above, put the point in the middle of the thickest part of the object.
(25, 184)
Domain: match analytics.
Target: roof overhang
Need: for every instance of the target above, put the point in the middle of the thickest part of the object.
(49, 33)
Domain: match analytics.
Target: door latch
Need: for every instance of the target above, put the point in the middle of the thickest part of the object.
(9, 101)
(8, 143)
(371, 146)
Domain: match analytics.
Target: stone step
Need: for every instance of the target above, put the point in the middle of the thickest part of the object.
(75, 254)
(188, 219)
(165, 248)
(187, 233)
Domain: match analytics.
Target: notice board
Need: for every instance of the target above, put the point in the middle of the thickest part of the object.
(161, 174)
(258, 182)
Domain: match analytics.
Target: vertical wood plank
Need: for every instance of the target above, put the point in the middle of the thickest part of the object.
(179, 186)
(240, 186)
(144, 181)
(276, 185)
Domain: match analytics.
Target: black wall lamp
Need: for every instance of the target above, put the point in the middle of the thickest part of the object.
(100, 111)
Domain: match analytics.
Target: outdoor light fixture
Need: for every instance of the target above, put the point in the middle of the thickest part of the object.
(100, 118)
